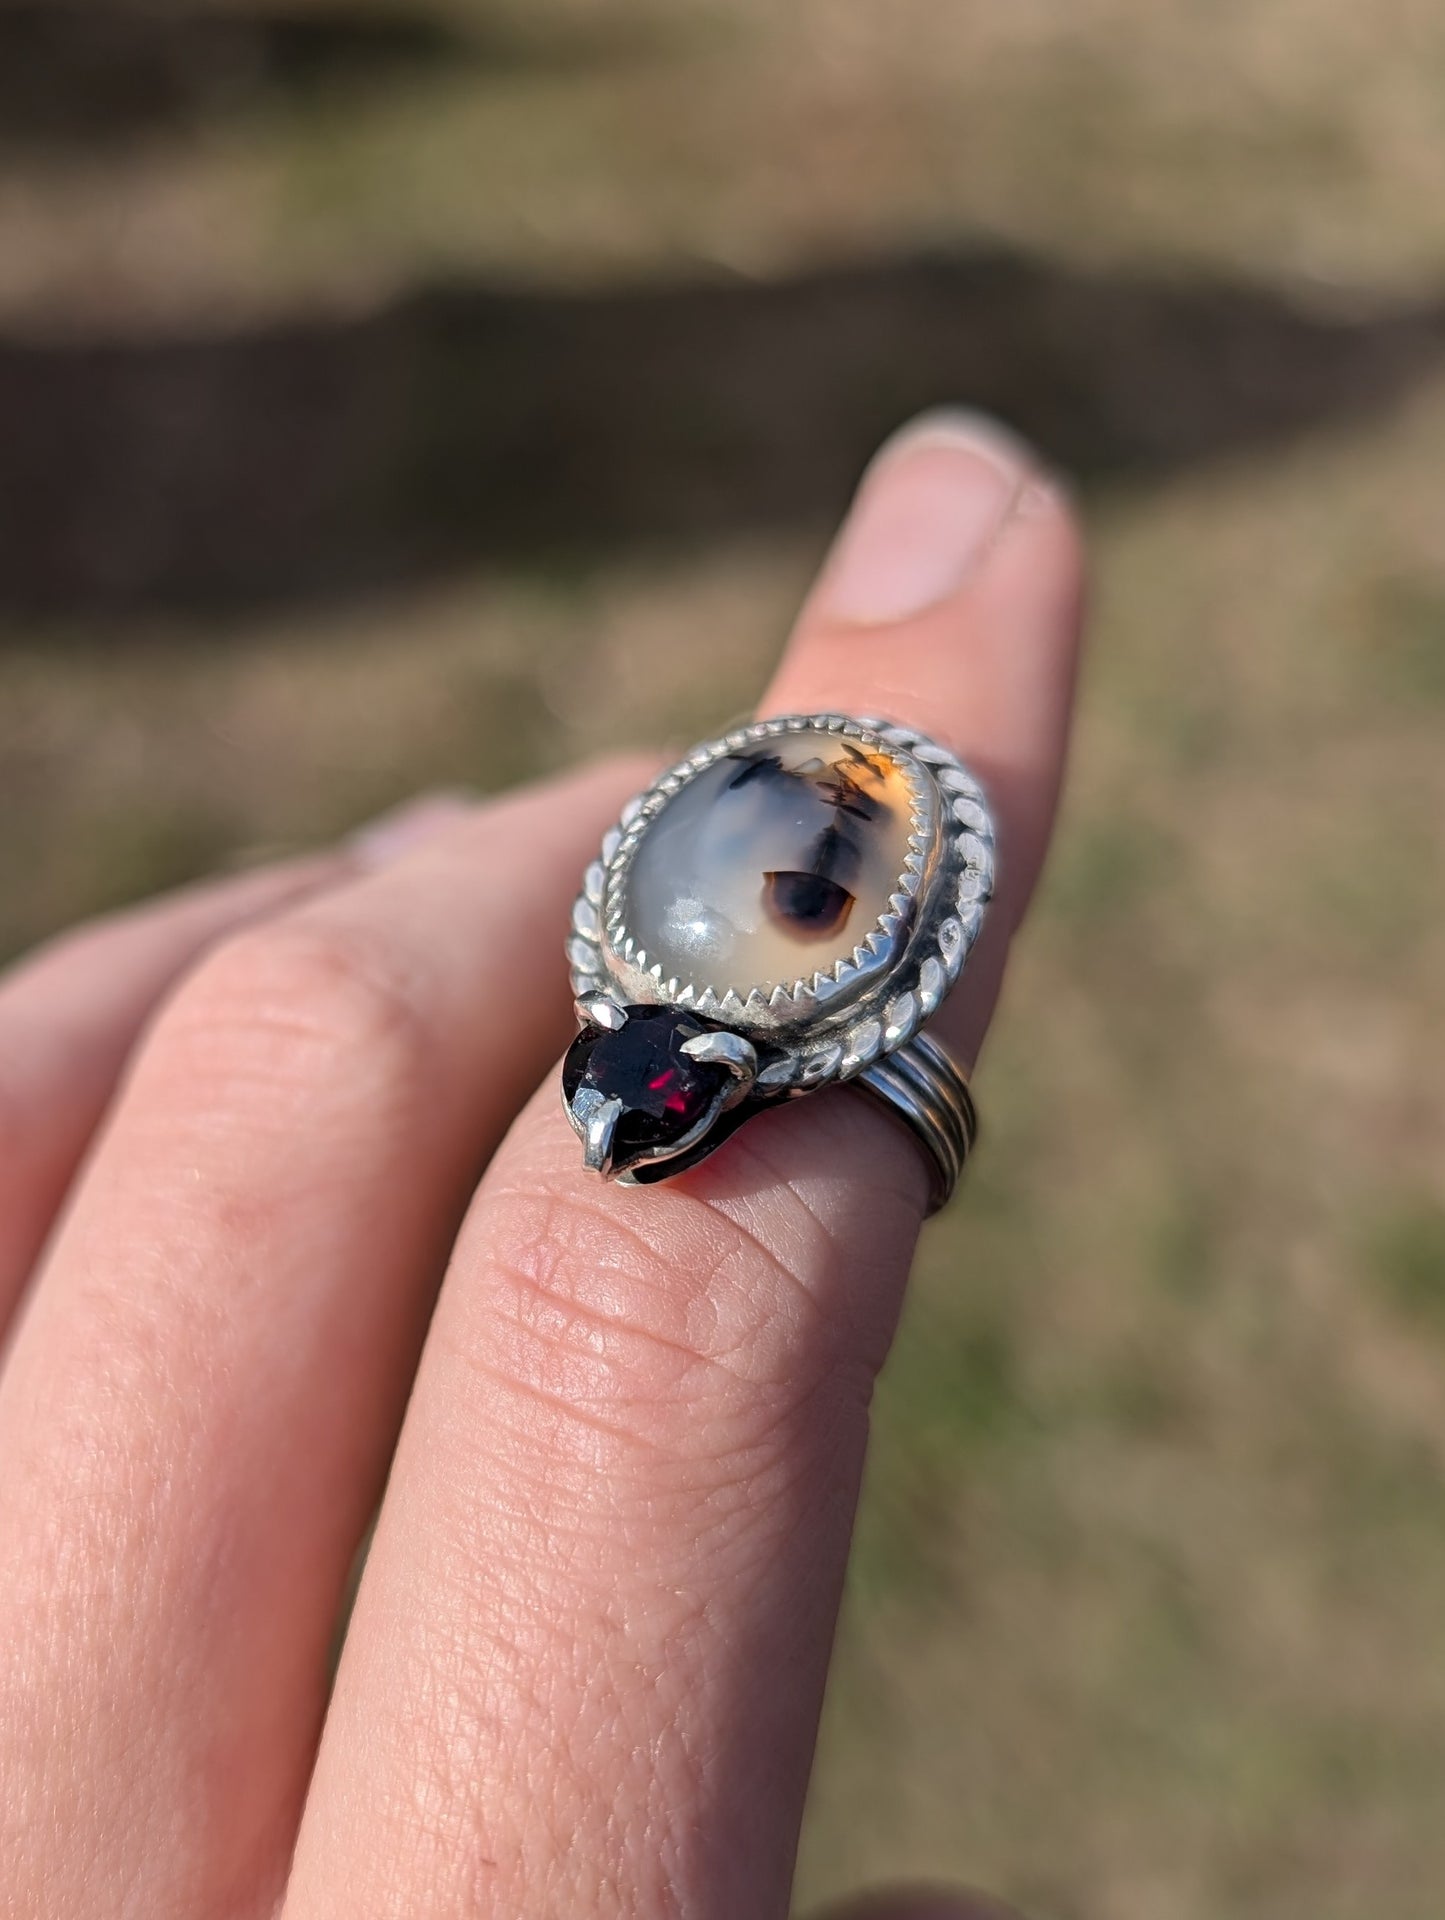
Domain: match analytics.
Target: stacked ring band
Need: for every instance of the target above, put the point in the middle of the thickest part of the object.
(923, 1086)
(780, 912)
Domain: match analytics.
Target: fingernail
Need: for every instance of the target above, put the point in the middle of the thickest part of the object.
(407, 826)
(928, 508)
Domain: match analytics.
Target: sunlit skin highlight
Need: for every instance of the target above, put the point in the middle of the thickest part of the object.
(619, 1432)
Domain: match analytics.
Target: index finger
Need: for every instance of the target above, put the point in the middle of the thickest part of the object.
(587, 1661)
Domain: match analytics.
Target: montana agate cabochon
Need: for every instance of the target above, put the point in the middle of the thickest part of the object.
(771, 864)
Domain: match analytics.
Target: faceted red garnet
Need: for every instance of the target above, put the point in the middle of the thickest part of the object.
(664, 1091)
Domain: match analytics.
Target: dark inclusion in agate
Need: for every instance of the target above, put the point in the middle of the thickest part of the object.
(664, 1092)
(771, 864)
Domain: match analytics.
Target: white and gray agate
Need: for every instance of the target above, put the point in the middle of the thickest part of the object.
(771, 864)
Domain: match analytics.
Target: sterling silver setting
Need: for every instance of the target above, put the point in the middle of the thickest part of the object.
(754, 1041)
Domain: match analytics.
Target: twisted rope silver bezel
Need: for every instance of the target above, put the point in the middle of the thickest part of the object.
(831, 1026)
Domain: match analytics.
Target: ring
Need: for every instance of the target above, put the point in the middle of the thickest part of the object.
(781, 911)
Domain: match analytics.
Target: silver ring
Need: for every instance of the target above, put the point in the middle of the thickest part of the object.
(781, 911)
(924, 1087)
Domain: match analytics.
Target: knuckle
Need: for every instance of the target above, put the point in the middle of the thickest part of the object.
(293, 1002)
(636, 1336)
(587, 1313)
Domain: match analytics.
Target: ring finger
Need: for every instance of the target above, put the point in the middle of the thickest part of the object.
(200, 1404)
(588, 1655)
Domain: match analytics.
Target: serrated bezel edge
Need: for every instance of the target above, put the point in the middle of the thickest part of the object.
(948, 883)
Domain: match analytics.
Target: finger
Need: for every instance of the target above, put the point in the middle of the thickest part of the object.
(982, 668)
(588, 1655)
(203, 1396)
(70, 1014)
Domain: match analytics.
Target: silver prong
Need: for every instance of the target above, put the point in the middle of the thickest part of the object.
(599, 1010)
(728, 1050)
(599, 1125)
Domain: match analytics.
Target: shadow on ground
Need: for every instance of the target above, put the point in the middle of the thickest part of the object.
(75, 75)
(467, 425)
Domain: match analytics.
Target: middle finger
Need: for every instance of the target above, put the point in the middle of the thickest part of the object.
(588, 1653)
(201, 1404)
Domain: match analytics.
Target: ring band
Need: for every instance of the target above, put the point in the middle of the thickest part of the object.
(926, 1089)
(781, 911)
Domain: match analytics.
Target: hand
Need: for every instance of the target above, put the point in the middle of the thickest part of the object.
(584, 1670)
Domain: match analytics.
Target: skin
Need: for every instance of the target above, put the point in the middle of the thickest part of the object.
(308, 1229)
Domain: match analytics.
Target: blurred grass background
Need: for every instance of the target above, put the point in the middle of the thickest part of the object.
(420, 396)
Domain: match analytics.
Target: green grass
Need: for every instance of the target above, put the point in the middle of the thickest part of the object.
(1404, 1256)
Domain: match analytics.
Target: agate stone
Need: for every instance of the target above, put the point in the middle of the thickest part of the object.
(771, 864)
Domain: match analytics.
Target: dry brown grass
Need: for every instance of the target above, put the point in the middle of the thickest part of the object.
(1148, 1616)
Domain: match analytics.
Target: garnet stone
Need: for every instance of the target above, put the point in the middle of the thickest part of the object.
(664, 1091)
